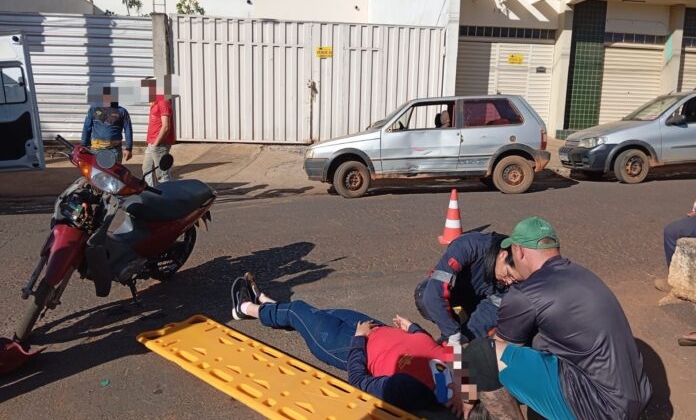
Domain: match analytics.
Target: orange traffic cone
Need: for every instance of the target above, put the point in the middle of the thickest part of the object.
(453, 224)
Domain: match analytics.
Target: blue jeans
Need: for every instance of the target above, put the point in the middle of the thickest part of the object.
(685, 227)
(327, 332)
(152, 157)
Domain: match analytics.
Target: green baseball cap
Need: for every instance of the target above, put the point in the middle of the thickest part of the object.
(529, 232)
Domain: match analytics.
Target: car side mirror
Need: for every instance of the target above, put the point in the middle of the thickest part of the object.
(166, 162)
(676, 120)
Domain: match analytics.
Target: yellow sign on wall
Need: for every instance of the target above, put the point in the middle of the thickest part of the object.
(515, 59)
(324, 52)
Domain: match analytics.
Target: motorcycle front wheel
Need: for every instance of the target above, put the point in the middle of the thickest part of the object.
(174, 258)
(37, 303)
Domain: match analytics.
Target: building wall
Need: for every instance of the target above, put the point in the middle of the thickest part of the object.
(312, 10)
(515, 14)
(637, 19)
(49, 6)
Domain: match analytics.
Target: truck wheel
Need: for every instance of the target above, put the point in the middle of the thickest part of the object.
(513, 175)
(352, 179)
(631, 166)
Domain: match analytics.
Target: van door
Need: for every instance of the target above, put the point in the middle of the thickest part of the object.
(21, 145)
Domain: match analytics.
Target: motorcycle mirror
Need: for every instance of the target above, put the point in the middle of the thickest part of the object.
(106, 158)
(166, 162)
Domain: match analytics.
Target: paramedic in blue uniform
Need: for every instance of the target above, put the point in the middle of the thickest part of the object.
(472, 273)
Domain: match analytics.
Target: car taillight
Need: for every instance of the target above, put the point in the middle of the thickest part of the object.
(543, 139)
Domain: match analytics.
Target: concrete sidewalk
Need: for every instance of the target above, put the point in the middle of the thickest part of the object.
(232, 169)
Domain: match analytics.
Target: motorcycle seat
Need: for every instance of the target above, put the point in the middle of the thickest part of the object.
(178, 199)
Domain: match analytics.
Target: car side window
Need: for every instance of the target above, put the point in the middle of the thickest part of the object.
(484, 112)
(428, 116)
(689, 111)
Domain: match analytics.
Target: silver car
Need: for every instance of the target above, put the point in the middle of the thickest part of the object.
(499, 139)
(660, 132)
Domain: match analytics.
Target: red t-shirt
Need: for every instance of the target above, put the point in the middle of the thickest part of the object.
(392, 350)
(161, 107)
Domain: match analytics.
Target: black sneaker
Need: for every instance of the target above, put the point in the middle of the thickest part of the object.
(251, 284)
(240, 294)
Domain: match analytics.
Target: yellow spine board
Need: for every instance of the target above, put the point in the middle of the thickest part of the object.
(262, 377)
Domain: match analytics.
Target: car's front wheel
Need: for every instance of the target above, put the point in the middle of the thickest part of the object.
(352, 179)
(631, 166)
(513, 175)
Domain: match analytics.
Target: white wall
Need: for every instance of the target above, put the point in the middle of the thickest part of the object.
(511, 13)
(409, 12)
(236, 8)
(637, 19)
(48, 6)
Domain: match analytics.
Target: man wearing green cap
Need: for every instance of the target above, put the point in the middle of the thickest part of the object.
(563, 345)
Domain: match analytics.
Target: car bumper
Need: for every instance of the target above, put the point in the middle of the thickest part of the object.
(592, 160)
(315, 169)
(541, 159)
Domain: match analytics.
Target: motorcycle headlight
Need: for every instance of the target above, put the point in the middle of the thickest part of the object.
(592, 142)
(105, 182)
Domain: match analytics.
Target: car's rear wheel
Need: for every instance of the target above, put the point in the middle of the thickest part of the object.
(352, 179)
(513, 175)
(631, 166)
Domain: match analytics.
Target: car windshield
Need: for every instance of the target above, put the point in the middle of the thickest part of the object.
(379, 124)
(652, 109)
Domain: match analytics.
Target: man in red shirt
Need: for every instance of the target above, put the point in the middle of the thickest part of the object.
(401, 365)
(160, 133)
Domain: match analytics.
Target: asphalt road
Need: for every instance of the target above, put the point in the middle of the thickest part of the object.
(366, 254)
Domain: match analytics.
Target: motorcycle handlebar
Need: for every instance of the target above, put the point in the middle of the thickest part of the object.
(153, 190)
(64, 142)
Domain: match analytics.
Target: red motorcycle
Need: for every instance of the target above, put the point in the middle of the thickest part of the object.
(154, 240)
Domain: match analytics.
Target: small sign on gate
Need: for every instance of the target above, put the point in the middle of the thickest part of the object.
(324, 52)
(515, 59)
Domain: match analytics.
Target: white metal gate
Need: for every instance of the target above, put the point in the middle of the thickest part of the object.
(511, 68)
(261, 80)
(71, 52)
(631, 78)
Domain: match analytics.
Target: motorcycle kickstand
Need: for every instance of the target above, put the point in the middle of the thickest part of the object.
(134, 293)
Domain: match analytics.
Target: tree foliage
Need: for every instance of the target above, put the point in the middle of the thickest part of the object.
(130, 4)
(189, 7)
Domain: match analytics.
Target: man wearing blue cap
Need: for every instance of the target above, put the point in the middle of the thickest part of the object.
(563, 345)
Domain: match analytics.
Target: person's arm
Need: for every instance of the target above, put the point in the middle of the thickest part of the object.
(435, 299)
(128, 131)
(516, 318)
(400, 389)
(86, 139)
(165, 111)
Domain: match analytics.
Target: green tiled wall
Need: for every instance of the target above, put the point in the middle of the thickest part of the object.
(586, 65)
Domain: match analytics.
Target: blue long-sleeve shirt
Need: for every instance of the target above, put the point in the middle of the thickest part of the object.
(400, 389)
(107, 123)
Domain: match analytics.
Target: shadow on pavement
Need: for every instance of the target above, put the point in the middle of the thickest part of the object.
(98, 335)
(660, 407)
(545, 180)
(660, 173)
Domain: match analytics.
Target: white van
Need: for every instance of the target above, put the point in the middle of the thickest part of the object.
(21, 145)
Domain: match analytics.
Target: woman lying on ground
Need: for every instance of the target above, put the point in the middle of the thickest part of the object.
(401, 365)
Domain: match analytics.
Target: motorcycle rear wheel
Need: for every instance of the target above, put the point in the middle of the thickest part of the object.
(175, 257)
(37, 303)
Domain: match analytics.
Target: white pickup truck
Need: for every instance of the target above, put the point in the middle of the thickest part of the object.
(21, 145)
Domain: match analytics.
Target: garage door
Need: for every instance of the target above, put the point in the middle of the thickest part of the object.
(631, 78)
(518, 69)
(687, 78)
